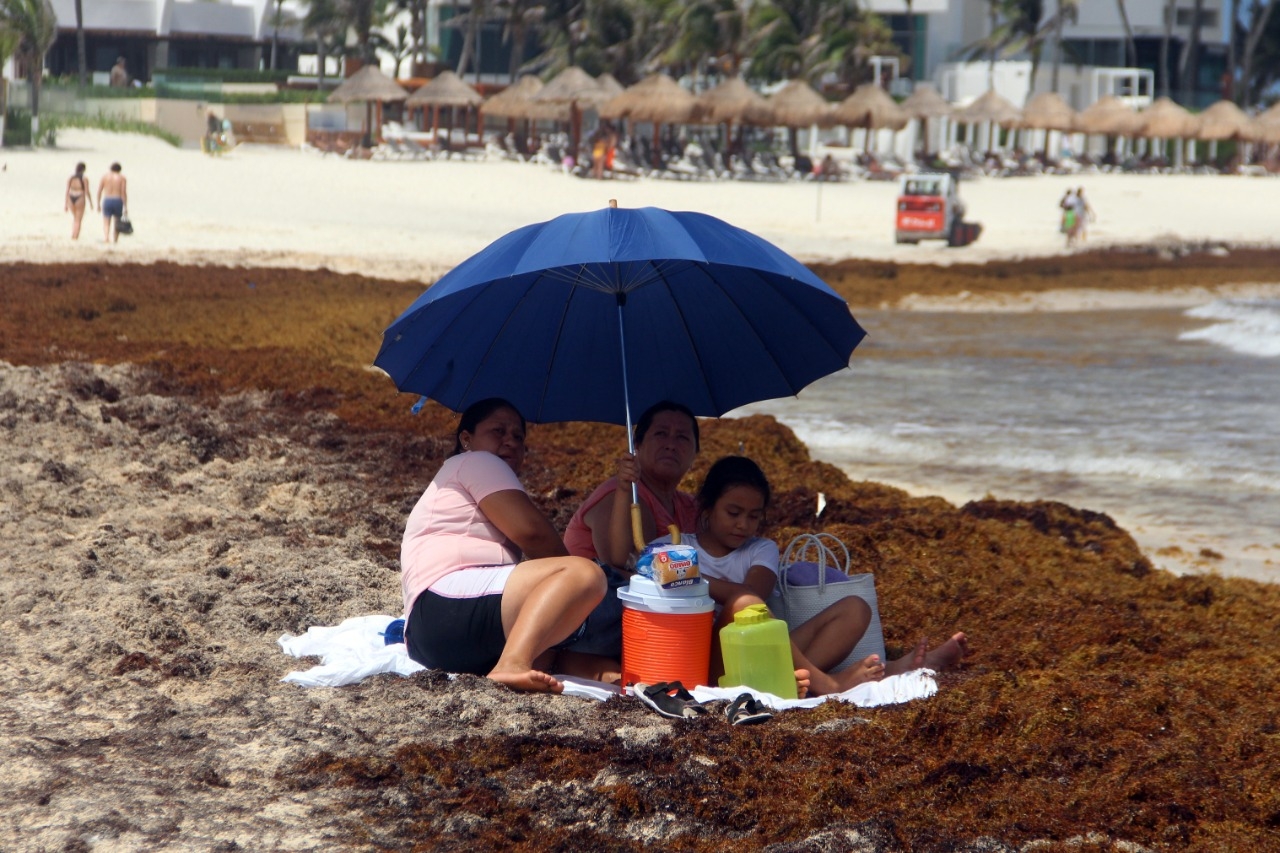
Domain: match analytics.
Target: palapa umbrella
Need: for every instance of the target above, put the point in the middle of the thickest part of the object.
(1047, 111)
(990, 106)
(657, 99)
(587, 315)
(368, 84)
(1108, 116)
(446, 89)
(516, 101)
(797, 105)
(575, 90)
(609, 84)
(1224, 120)
(925, 103)
(871, 107)
(1165, 119)
(732, 101)
(1268, 124)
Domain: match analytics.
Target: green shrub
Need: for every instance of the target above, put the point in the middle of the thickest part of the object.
(17, 127)
(50, 126)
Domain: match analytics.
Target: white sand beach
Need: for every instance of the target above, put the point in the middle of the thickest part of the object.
(277, 206)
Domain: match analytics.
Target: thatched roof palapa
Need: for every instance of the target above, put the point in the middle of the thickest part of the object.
(656, 98)
(609, 84)
(797, 105)
(1268, 124)
(1166, 120)
(1224, 120)
(1109, 116)
(990, 106)
(367, 84)
(871, 107)
(925, 102)
(1047, 111)
(733, 100)
(446, 89)
(516, 101)
(573, 86)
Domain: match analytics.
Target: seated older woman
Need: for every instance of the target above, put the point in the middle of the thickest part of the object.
(471, 604)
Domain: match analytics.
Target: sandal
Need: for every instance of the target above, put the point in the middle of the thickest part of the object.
(746, 710)
(670, 699)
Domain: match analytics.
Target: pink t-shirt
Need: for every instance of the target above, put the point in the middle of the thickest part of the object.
(577, 536)
(447, 531)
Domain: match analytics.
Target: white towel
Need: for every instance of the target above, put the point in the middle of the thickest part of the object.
(356, 649)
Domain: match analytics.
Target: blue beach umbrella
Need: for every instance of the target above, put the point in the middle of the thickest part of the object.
(584, 316)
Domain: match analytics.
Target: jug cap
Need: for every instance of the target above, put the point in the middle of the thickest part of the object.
(752, 615)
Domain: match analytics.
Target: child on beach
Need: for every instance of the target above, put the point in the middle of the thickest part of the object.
(742, 569)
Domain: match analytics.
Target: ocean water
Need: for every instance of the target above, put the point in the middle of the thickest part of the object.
(1166, 419)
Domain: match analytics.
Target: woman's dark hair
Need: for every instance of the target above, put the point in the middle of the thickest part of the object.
(476, 413)
(80, 168)
(646, 420)
(728, 472)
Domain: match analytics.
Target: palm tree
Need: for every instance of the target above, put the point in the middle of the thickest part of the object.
(325, 21)
(35, 27)
(80, 52)
(1130, 46)
(1189, 67)
(1257, 26)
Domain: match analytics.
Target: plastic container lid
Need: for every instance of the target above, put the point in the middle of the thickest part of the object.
(752, 615)
(643, 594)
(641, 585)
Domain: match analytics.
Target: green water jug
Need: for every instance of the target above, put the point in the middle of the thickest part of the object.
(757, 653)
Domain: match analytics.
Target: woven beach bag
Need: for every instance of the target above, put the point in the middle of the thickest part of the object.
(813, 575)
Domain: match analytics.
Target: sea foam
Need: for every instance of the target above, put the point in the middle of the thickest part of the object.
(1246, 326)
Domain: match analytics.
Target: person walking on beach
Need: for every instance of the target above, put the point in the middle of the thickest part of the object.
(77, 197)
(113, 201)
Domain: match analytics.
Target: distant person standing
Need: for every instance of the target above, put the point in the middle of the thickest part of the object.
(119, 74)
(113, 200)
(1084, 215)
(77, 198)
(1068, 206)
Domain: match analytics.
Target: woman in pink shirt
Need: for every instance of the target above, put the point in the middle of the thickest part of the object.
(471, 605)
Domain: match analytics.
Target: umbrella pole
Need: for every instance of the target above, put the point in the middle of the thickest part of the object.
(637, 535)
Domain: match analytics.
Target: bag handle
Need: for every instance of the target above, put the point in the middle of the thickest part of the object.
(823, 545)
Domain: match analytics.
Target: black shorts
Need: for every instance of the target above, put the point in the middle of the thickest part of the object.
(456, 634)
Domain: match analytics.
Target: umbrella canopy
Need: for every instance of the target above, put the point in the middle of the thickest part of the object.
(573, 86)
(657, 98)
(516, 101)
(797, 105)
(1047, 111)
(925, 102)
(446, 89)
(367, 84)
(1166, 120)
(588, 315)
(1224, 120)
(1110, 116)
(870, 106)
(990, 106)
(732, 100)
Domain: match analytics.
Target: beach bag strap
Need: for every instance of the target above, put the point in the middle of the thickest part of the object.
(824, 546)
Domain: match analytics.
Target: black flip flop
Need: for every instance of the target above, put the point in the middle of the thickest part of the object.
(670, 699)
(746, 710)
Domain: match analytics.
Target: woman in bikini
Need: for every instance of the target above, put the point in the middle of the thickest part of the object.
(78, 196)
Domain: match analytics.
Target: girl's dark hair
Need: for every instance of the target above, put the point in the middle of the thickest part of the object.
(476, 413)
(646, 420)
(728, 472)
(79, 168)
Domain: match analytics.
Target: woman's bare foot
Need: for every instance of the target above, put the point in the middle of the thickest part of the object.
(526, 680)
(802, 683)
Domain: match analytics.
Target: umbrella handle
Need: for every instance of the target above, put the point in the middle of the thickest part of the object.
(637, 530)
(674, 530)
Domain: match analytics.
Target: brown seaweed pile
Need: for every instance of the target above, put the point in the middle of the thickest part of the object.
(203, 461)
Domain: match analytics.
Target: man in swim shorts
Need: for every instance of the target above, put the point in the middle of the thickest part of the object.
(113, 200)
